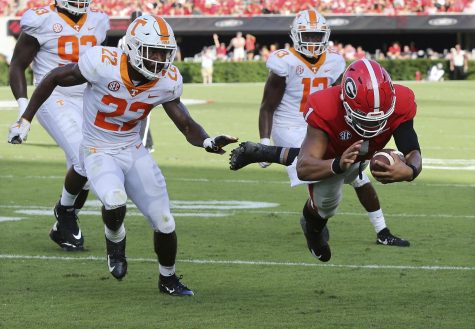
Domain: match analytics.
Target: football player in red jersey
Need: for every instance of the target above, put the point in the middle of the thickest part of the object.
(294, 74)
(346, 125)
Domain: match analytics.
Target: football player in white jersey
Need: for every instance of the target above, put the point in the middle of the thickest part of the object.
(54, 36)
(294, 74)
(123, 87)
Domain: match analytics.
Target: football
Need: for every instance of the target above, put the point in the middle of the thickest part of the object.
(384, 156)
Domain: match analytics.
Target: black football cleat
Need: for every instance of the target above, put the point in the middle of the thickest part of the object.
(385, 237)
(247, 153)
(116, 260)
(172, 286)
(317, 242)
(66, 232)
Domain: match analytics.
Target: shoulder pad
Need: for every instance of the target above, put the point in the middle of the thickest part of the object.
(34, 18)
(277, 62)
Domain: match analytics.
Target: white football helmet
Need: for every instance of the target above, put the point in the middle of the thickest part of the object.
(144, 36)
(75, 7)
(310, 33)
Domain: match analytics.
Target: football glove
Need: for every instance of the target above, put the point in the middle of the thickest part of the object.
(22, 105)
(216, 144)
(265, 141)
(18, 131)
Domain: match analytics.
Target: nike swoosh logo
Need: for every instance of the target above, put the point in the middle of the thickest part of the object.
(77, 236)
(138, 146)
(109, 265)
(171, 291)
(153, 96)
(90, 28)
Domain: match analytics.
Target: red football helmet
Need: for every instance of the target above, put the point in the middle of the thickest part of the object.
(368, 97)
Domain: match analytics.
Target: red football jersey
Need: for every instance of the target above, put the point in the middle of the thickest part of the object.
(324, 110)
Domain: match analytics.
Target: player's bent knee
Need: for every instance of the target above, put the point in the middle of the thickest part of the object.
(115, 199)
(164, 223)
(327, 207)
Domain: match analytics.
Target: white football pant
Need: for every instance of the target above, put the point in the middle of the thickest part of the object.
(130, 172)
(61, 116)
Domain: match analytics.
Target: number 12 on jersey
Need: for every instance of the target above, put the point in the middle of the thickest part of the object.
(314, 84)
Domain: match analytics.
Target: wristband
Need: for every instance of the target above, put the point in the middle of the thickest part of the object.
(414, 171)
(335, 167)
(22, 104)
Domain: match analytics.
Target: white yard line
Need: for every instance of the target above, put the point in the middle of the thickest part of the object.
(245, 262)
(238, 181)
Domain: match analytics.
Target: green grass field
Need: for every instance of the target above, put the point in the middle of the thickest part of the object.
(241, 248)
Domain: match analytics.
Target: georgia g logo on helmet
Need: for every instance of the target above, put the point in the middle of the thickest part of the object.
(350, 88)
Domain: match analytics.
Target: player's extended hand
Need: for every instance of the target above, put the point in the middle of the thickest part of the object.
(216, 144)
(349, 155)
(18, 131)
(396, 172)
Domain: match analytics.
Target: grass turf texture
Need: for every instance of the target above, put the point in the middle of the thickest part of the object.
(249, 268)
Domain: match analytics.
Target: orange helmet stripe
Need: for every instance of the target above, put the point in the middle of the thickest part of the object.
(313, 17)
(162, 25)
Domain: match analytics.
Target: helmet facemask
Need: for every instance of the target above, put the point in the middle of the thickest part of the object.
(310, 43)
(75, 7)
(368, 125)
(144, 61)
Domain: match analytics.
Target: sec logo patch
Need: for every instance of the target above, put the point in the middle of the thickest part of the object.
(57, 28)
(113, 86)
(344, 135)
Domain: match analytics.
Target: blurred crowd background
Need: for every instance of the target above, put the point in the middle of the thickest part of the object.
(123, 8)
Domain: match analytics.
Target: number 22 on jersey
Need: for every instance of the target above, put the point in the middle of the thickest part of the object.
(121, 107)
(314, 84)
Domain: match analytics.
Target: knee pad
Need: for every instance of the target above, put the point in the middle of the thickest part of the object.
(163, 222)
(114, 199)
(113, 218)
(360, 182)
(327, 206)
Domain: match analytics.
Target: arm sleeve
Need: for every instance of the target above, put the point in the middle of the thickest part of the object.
(278, 65)
(89, 64)
(105, 26)
(175, 86)
(31, 24)
(340, 66)
(406, 138)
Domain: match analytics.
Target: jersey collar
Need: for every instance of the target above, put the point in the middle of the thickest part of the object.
(313, 67)
(76, 26)
(124, 74)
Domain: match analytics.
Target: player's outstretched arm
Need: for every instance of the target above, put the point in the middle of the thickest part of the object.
(310, 163)
(194, 133)
(65, 76)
